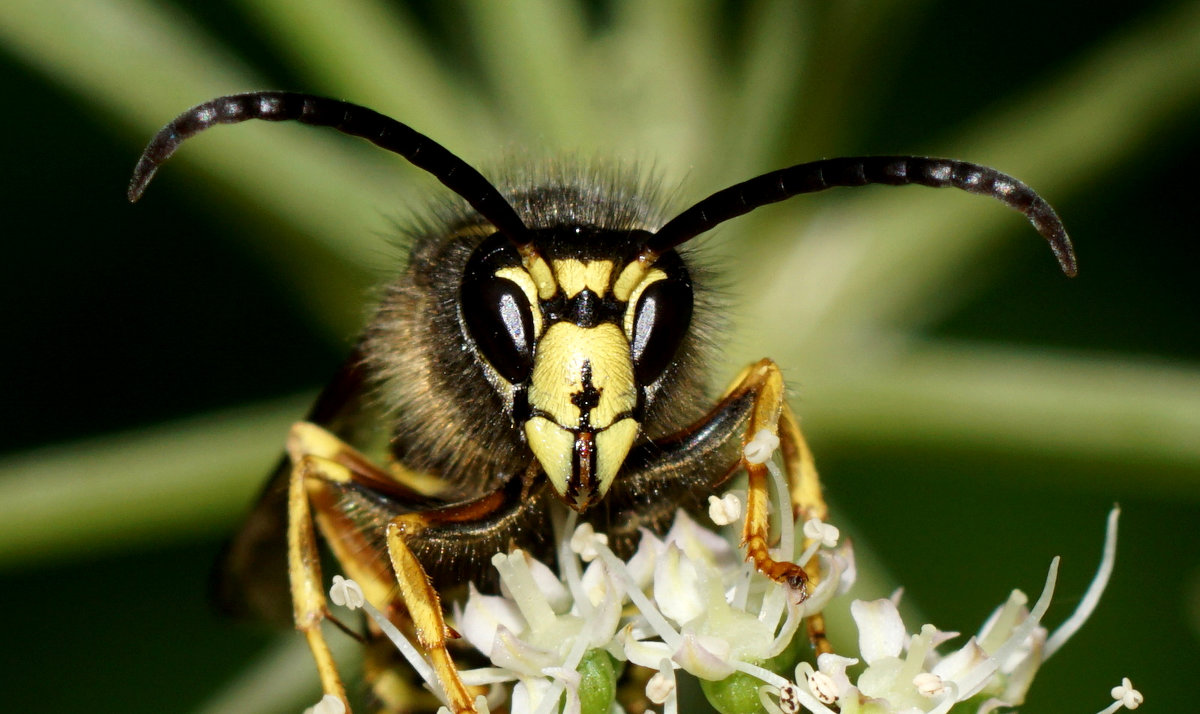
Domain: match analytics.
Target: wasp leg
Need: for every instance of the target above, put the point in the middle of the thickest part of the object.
(803, 481)
(772, 412)
(386, 534)
(807, 502)
(425, 608)
(764, 380)
(492, 521)
(323, 468)
(304, 571)
(682, 469)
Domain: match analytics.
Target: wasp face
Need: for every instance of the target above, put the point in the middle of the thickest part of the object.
(576, 338)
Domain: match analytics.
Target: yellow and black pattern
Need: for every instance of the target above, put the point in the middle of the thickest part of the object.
(541, 350)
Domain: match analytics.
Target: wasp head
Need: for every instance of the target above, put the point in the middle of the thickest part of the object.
(577, 333)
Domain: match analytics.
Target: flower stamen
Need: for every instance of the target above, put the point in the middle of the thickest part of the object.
(760, 448)
(1126, 697)
(724, 510)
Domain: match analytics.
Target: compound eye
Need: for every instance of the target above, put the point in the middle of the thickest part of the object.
(664, 312)
(498, 317)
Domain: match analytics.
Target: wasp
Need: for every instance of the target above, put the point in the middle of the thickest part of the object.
(543, 348)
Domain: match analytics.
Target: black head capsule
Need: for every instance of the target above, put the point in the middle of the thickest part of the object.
(574, 341)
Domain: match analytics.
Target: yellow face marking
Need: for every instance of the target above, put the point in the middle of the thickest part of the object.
(575, 275)
(612, 446)
(553, 447)
(542, 276)
(582, 382)
(631, 309)
(558, 373)
(525, 282)
(629, 278)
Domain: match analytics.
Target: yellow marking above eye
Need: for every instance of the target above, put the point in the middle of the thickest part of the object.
(631, 308)
(575, 275)
(542, 276)
(525, 282)
(631, 275)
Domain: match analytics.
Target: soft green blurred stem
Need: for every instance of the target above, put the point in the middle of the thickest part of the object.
(776, 35)
(142, 64)
(660, 68)
(197, 475)
(531, 54)
(165, 482)
(1089, 410)
(848, 63)
(270, 684)
(910, 243)
(374, 53)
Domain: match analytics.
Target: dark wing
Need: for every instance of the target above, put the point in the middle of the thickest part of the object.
(250, 578)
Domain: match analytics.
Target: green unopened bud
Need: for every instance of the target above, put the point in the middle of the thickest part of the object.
(598, 682)
(736, 694)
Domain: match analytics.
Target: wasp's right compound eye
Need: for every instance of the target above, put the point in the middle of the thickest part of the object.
(499, 319)
(662, 318)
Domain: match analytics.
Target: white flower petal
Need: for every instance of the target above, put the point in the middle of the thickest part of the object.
(584, 541)
(570, 679)
(1021, 666)
(830, 585)
(641, 652)
(882, 680)
(701, 544)
(677, 586)
(880, 629)
(483, 614)
(529, 693)
(606, 596)
(641, 565)
(971, 665)
(329, 704)
(834, 666)
(1000, 624)
(511, 652)
(940, 637)
(555, 592)
(705, 657)
(843, 561)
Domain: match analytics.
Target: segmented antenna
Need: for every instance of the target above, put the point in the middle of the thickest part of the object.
(387, 133)
(859, 171)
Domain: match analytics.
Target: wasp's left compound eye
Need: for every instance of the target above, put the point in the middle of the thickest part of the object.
(499, 319)
(664, 311)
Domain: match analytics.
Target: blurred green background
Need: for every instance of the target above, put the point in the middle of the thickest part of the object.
(974, 413)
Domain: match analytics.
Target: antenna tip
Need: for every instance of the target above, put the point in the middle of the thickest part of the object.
(142, 173)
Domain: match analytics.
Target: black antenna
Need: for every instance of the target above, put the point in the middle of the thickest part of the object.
(387, 133)
(860, 171)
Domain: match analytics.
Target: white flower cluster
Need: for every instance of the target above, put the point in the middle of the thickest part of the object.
(682, 602)
(906, 673)
(689, 602)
